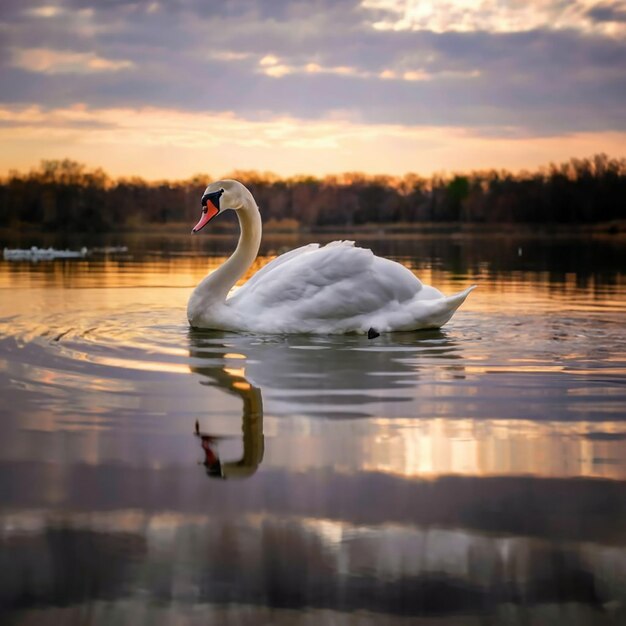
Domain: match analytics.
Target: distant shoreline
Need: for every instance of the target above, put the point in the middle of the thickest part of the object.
(394, 230)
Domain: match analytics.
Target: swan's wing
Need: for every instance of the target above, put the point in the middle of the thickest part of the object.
(270, 267)
(337, 281)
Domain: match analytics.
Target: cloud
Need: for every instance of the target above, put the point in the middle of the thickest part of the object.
(168, 143)
(493, 15)
(608, 12)
(526, 69)
(540, 82)
(157, 126)
(62, 62)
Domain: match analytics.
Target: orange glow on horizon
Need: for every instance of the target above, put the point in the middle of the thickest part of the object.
(158, 143)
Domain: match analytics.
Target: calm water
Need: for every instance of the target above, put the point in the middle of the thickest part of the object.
(473, 475)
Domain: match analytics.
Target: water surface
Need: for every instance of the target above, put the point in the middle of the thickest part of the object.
(472, 475)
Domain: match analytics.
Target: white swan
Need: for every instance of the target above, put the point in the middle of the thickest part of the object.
(336, 288)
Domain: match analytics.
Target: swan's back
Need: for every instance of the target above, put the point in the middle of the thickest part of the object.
(334, 288)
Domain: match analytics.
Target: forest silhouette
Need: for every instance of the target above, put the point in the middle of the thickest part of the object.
(63, 195)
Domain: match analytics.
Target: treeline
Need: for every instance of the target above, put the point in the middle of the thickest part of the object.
(65, 195)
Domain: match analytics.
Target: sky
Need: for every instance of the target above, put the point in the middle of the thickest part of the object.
(168, 89)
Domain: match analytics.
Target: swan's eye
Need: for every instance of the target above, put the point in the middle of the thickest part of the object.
(214, 197)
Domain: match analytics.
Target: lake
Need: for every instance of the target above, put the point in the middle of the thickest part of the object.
(151, 474)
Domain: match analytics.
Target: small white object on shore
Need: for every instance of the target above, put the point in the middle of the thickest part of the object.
(42, 254)
(110, 250)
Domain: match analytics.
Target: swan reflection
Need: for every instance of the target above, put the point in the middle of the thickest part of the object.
(295, 369)
(215, 368)
(304, 376)
(408, 406)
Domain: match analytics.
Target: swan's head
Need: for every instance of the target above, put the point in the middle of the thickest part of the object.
(221, 196)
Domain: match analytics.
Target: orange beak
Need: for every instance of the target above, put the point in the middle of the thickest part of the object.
(208, 213)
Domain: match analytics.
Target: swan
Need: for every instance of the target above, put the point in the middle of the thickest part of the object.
(331, 289)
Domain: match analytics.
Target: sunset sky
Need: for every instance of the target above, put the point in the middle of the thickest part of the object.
(173, 88)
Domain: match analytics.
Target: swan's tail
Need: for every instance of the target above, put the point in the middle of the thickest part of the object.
(435, 313)
(457, 299)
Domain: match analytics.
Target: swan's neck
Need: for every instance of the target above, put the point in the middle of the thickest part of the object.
(215, 287)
